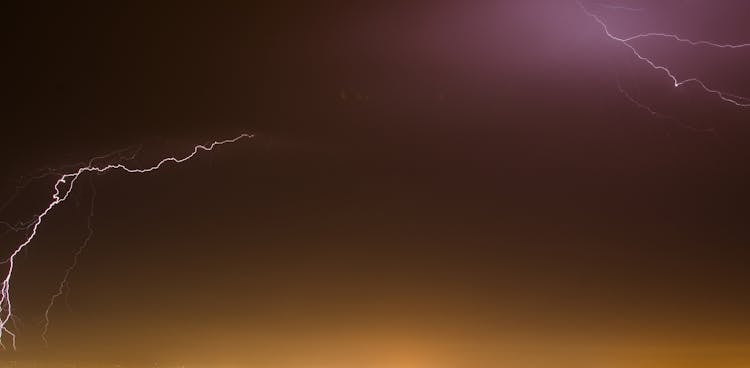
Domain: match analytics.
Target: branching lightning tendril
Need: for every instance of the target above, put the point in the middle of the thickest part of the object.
(62, 189)
(64, 284)
(728, 97)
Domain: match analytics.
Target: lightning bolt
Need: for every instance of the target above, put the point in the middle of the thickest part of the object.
(61, 190)
(728, 97)
(125, 154)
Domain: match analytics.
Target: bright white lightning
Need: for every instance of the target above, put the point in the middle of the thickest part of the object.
(725, 96)
(61, 191)
(121, 155)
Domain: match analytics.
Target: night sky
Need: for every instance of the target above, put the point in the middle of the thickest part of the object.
(432, 183)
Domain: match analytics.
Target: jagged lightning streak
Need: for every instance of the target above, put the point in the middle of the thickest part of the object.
(120, 155)
(61, 191)
(731, 98)
(63, 286)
